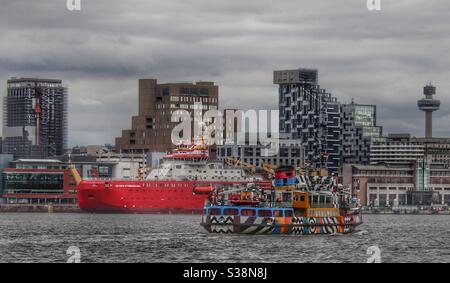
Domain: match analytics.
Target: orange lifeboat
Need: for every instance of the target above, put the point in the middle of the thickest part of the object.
(203, 190)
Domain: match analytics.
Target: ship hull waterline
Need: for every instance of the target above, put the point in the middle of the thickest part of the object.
(281, 225)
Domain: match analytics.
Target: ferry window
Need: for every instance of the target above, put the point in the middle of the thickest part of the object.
(178, 166)
(322, 199)
(265, 213)
(231, 211)
(214, 211)
(288, 213)
(278, 213)
(248, 212)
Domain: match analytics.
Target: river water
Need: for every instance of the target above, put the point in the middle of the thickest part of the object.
(179, 238)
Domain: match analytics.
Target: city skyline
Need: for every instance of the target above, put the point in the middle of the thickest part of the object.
(383, 58)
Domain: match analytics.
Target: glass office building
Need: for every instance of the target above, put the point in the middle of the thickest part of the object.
(359, 131)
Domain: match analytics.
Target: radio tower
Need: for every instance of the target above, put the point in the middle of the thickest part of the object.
(429, 105)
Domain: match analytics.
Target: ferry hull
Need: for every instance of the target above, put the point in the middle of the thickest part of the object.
(281, 225)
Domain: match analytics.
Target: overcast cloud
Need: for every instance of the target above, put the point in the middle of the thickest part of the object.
(100, 52)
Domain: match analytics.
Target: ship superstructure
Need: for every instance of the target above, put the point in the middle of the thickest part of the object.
(296, 204)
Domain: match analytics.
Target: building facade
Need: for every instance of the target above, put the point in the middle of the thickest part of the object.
(151, 129)
(35, 118)
(436, 150)
(311, 115)
(290, 153)
(396, 149)
(359, 131)
(407, 184)
(36, 181)
(402, 148)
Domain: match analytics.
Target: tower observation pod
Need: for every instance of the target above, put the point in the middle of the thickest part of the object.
(429, 105)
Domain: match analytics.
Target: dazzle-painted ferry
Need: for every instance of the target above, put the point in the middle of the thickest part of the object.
(181, 184)
(298, 205)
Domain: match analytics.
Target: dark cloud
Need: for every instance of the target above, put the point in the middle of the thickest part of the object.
(374, 57)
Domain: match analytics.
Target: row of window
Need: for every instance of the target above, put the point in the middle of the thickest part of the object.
(390, 188)
(192, 106)
(196, 91)
(249, 212)
(193, 99)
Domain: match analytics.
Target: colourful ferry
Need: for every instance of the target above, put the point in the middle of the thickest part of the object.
(296, 204)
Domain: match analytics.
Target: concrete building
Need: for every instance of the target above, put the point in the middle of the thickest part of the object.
(151, 129)
(436, 150)
(402, 148)
(290, 153)
(383, 185)
(428, 104)
(44, 181)
(35, 118)
(396, 149)
(310, 114)
(359, 131)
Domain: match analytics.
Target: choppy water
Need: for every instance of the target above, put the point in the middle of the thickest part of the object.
(179, 238)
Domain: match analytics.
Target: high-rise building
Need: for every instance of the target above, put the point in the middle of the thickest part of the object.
(428, 104)
(151, 130)
(310, 114)
(35, 118)
(359, 131)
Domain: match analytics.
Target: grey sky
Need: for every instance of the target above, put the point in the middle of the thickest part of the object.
(382, 57)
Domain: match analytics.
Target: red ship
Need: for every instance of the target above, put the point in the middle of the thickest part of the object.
(182, 184)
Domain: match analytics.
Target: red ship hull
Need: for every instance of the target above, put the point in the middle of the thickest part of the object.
(145, 196)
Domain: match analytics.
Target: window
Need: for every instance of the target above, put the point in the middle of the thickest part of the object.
(278, 213)
(230, 211)
(248, 212)
(33, 182)
(214, 211)
(265, 213)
